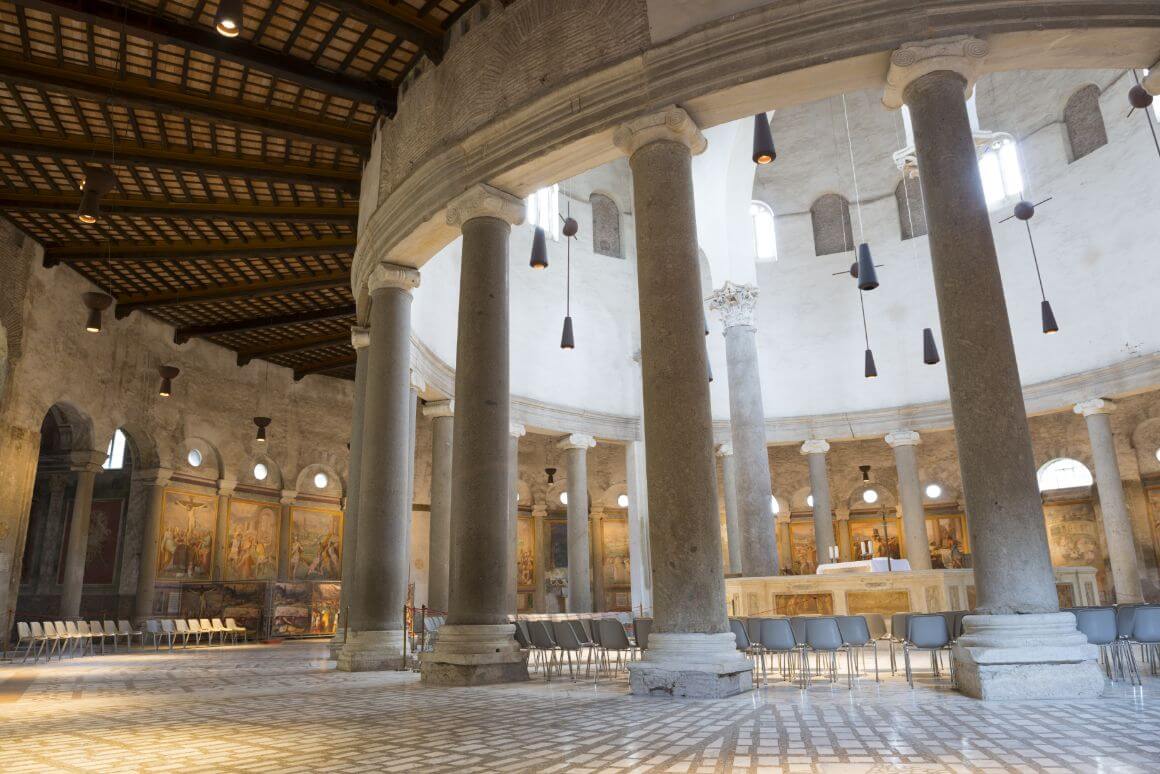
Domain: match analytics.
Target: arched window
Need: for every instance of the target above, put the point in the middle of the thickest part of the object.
(1002, 175)
(764, 235)
(830, 216)
(544, 210)
(1084, 122)
(1063, 473)
(911, 213)
(605, 226)
(115, 454)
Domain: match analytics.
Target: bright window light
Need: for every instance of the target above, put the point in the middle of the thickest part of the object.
(870, 496)
(773, 506)
(320, 481)
(544, 210)
(261, 471)
(194, 458)
(622, 501)
(1158, 455)
(115, 454)
(1063, 473)
(764, 235)
(933, 491)
(810, 500)
(1002, 176)
(563, 498)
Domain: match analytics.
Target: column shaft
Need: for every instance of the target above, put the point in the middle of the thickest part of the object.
(732, 525)
(439, 560)
(579, 545)
(905, 445)
(78, 541)
(147, 566)
(815, 454)
(512, 585)
(639, 553)
(360, 340)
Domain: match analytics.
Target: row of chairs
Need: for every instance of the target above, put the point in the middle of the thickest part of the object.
(575, 641)
(1116, 630)
(171, 630)
(66, 637)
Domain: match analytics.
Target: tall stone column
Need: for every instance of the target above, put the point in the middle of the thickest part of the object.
(418, 386)
(1117, 524)
(737, 306)
(360, 339)
(55, 516)
(905, 445)
(596, 540)
(845, 551)
(691, 651)
(476, 645)
(815, 451)
(221, 539)
(540, 551)
(639, 551)
(576, 447)
(732, 518)
(442, 416)
(379, 583)
(518, 431)
(19, 456)
(1019, 645)
(156, 480)
(86, 465)
(285, 503)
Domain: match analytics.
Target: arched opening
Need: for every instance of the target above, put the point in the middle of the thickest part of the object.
(1063, 473)
(764, 231)
(830, 216)
(1084, 121)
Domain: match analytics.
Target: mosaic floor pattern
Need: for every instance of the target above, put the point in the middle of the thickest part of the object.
(285, 709)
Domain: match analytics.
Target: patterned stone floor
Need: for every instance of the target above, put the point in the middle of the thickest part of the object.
(285, 709)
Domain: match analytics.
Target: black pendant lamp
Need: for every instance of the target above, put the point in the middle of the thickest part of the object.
(1049, 323)
(567, 340)
(98, 182)
(551, 475)
(228, 19)
(871, 371)
(571, 228)
(867, 276)
(929, 348)
(763, 150)
(96, 303)
(168, 374)
(540, 249)
(1025, 211)
(262, 423)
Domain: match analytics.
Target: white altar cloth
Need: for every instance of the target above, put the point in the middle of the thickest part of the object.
(877, 564)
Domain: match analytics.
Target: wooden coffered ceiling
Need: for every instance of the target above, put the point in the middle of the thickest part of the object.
(237, 161)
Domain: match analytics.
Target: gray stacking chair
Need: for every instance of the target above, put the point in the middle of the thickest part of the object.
(824, 638)
(521, 635)
(82, 636)
(129, 632)
(25, 637)
(56, 640)
(207, 629)
(641, 628)
(741, 635)
(613, 638)
(777, 638)
(897, 635)
(1146, 634)
(1098, 624)
(926, 631)
(180, 629)
(753, 629)
(97, 634)
(239, 631)
(856, 634)
(583, 637)
(111, 633)
(569, 644)
(543, 646)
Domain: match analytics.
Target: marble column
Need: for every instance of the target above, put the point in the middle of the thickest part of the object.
(540, 551)
(360, 340)
(1018, 645)
(46, 577)
(379, 583)
(905, 445)
(517, 432)
(639, 552)
(418, 386)
(442, 416)
(19, 455)
(221, 540)
(846, 552)
(576, 448)
(815, 451)
(737, 307)
(86, 465)
(476, 646)
(1117, 524)
(691, 652)
(732, 527)
(596, 540)
(285, 503)
(156, 480)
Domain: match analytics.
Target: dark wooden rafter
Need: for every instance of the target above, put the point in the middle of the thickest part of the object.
(167, 31)
(324, 366)
(183, 159)
(80, 252)
(143, 93)
(55, 202)
(127, 304)
(291, 347)
(182, 335)
(426, 35)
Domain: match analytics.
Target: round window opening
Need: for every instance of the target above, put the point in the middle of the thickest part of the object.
(622, 501)
(1158, 455)
(870, 496)
(810, 500)
(194, 458)
(261, 471)
(933, 491)
(563, 498)
(320, 481)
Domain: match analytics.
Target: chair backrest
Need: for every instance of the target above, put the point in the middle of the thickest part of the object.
(797, 625)
(71, 627)
(123, 627)
(949, 619)
(737, 626)
(957, 623)
(642, 627)
(50, 629)
(1146, 625)
(38, 630)
(83, 628)
(823, 633)
(855, 629)
(1125, 617)
(565, 635)
(521, 634)
(898, 626)
(194, 626)
(1098, 624)
(612, 635)
(179, 624)
(581, 633)
(877, 625)
(111, 629)
(96, 628)
(232, 624)
(927, 630)
(23, 631)
(205, 625)
(753, 628)
(541, 636)
(152, 626)
(777, 635)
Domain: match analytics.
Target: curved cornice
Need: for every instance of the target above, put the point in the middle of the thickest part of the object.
(779, 55)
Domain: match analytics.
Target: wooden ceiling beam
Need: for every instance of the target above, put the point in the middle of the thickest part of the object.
(143, 93)
(79, 252)
(410, 28)
(127, 304)
(291, 347)
(103, 151)
(166, 31)
(182, 335)
(323, 366)
(57, 202)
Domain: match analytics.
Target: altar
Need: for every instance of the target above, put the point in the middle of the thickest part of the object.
(877, 564)
(865, 591)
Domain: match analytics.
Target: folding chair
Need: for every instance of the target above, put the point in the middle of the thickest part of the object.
(222, 630)
(232, 625)
(208, 630)
(181, 629)
(24, 637)
(128, 632)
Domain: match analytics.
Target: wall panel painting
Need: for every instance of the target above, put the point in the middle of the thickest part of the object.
(1073, 538)
(526, 553)
(883, 541)
(185, 538)
(105, 518)
(315, 544)
(804, 604)
(615, 571)
(885, 602)
(803, 549)
(252, 541)
(305, 608)
(947, 539)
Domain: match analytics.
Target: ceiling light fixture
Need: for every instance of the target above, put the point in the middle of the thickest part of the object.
(1141, 99)
(539, 249)
(551, 475)
(97, 182)
(228, 19)
(571, 228)
(763, 150)
(262, 423)
(863, 268)
(1025, 211)
(96, 303)
(168, 374)
(929, 347)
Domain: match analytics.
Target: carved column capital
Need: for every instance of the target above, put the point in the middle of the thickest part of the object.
(86, 461)
(288, 496)
(484, 201)
(735, 305)
(903, 438)
(517, 430)
(815, 446)
(576, 441)
(1094, 406)
(418, 383)
(226, 486)
(725, 450)
(390, 275)
(360, 337)
(961, 54)
(439, 408)
(154, 477)
(672, 124)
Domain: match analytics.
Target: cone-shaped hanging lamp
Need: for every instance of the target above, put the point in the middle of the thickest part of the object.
(168, 374)
(867, 276)
(96, 303)
(566, 340)
(871, 369)
(540, 249)
(228, 19)
(98, 182)
(1049, 324)
(262, 423)
(763, 150)
(929, 348)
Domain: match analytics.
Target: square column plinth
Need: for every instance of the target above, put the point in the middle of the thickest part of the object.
(371, 651)
(693, 666)
(475, 654)
(1019, 657)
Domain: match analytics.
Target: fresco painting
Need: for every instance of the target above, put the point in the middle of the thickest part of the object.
(185, 538)
(252, 541)
(315, 544)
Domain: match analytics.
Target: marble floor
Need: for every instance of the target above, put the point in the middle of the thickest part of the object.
(284, 708)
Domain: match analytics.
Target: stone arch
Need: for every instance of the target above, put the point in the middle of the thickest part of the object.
(797, 500)
(830, 216)
(141, 444)
(305, 484)
(73, 428)
(523, 492)
(211, 466)
(1084, 122)
(886, 498)
(610, 496)
(911, 213)
(606, 236)
(1146, 442)
(273, 478)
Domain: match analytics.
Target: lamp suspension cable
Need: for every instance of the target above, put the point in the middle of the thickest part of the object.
(930, 354)
(1140, 98)
(853, 170)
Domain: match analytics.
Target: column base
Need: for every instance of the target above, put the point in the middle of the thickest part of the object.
(336, 644)
(691, 666)
(480, 654)
(372, 651)
(1020, 657)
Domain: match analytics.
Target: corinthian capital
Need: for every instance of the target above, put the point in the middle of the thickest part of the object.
(736, 304)
(962, 54)
(1094, 406)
